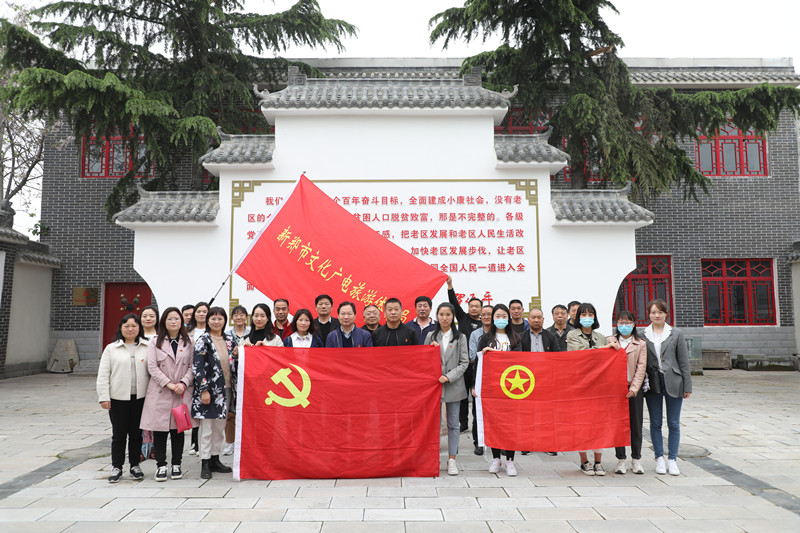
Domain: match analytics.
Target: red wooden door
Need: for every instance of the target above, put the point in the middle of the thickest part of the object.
(119, 300)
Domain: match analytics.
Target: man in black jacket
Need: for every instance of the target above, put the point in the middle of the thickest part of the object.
(324, 323)
(394, 332)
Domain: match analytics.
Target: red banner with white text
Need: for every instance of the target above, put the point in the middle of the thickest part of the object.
(338, 412)
(553, 401)
(311, 245)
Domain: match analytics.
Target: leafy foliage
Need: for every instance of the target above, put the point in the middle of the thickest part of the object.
(563, 56)
(168, 71)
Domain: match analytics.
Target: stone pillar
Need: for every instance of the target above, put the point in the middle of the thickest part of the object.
(794, 261)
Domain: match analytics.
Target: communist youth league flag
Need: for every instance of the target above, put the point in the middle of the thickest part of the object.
(337, 412)
(311, 245)
(547, 401)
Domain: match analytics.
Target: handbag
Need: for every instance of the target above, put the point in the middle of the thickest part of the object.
(182, 419)
(653, 375)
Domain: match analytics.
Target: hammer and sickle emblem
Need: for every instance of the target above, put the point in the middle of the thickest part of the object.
(517, 382)
(299, 397)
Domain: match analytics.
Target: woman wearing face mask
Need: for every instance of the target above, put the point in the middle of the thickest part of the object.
(261, 330)
(453, 350)
(585, 338)
(667, 346)
(303, 328)
(501, 338)
(636, 349)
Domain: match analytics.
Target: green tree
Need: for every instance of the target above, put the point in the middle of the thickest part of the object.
(163, 74)
(564, 58)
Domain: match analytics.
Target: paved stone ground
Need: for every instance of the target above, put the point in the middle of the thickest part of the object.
(749, 422)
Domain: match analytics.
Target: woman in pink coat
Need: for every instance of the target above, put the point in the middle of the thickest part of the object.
(169, 361)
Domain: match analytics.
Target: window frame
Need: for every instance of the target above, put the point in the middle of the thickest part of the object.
(732, 142)
(645, 277)
(108, 147)
(749, 284)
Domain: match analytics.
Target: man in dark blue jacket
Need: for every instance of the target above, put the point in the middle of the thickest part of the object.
(347, 335)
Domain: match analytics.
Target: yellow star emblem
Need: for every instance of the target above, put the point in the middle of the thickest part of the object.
(525, 385)
(517, 382)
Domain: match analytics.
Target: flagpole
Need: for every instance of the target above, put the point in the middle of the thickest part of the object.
(302, 175)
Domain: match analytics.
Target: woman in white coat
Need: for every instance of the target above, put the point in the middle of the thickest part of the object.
(453, 349)
(121, 386)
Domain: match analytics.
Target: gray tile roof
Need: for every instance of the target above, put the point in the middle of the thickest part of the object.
(527, 148)
(383, 93)
(12, 235)
(718, 77)
(171, 206)
(39, 258)
(241, 149)
(598, 206)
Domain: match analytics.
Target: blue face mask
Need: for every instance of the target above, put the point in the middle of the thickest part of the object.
(587, 321)
(501, 323)
(625, 329)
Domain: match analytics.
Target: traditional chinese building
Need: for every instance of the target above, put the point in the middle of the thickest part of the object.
(722, 264)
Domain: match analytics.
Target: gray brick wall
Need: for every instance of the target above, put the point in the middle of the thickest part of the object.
(92, 251)
(5, 308)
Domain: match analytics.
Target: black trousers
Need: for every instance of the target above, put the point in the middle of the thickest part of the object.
(160, 446)
(125, 416)
(508, 453)
(636, 410)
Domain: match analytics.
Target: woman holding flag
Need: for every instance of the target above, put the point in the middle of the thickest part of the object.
(587, 337)
(501, 338)
(453, 349)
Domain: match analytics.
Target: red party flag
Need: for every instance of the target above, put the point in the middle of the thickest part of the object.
(548, 401)
(311, 245)
(338, 412)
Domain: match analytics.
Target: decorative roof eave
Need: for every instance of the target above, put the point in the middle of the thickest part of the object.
(173, 208)
(13, 236)
(396, 95)
(248, 152)
(38, 259)
(526, 151)
(794, 257)
(576, 208)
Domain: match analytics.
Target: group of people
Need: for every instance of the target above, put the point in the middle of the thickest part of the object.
(188, 357)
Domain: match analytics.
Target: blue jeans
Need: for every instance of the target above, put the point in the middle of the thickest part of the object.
(655, 407)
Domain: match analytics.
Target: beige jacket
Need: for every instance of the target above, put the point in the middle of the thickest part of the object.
(114, 373)
(637, 362)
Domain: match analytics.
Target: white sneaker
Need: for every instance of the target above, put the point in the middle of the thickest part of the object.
(511, 470)
(636, 467)
(228, 450)
(672, 466)
(452, 469)
(495, 466)
(661, 468)
(621, 468)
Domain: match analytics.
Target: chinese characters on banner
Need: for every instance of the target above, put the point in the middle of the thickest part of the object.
(486, 238)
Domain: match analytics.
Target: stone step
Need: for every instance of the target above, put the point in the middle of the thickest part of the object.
(750, 361)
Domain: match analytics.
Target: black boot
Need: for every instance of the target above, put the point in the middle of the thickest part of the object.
(205, 469)
(217, 466)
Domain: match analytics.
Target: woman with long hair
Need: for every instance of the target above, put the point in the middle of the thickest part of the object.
(214, 377)
(673, 384)
(501, 337)
(121, 386)
(169, 361)
(635, 347)
(199, 320)
(586, 337)
(453, 350)
(303, 328)
(261, 331)
(149, 318)
(237, 333)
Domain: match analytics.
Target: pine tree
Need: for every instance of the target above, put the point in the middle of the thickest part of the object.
(564, 58)
(161, 74)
